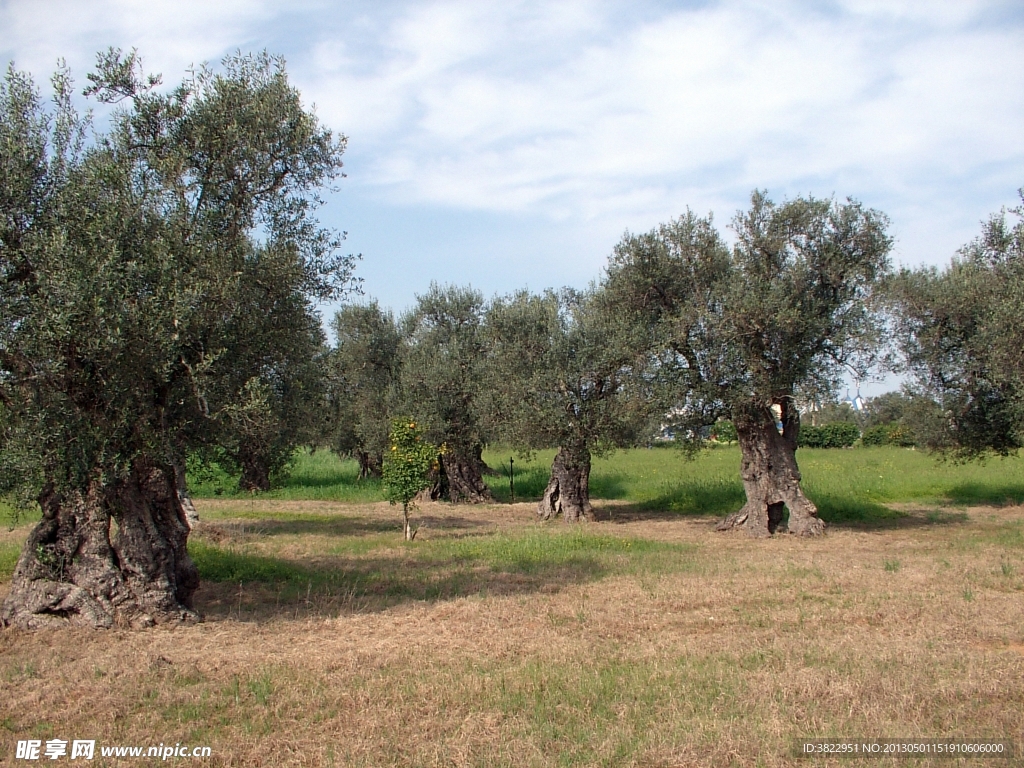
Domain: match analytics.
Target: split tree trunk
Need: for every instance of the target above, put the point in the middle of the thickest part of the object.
(114, 553)
(568, 490)
(465, 483)
(771, 478)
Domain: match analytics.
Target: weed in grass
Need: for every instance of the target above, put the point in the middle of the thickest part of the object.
(261, 688)
(25, 670)
(968, 594)
(234, 691)
(891, 566)
(1007, 568)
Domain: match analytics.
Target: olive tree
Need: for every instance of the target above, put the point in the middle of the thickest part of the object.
(363, 372)
(560, 374)
(746, 330)
(274, 377)
(961, 330)
(441, 379)
(130, 264)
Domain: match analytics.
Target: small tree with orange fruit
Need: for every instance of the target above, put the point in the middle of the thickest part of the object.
(407, 467)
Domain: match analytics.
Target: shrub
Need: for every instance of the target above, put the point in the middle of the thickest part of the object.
(724, 432)
(902, 436)
(877, 435)
(837, 435)
(892, 433)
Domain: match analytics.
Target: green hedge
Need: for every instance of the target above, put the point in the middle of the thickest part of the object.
(838, 435)
(892, 433)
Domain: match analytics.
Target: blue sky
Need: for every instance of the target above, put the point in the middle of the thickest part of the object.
(510, 144)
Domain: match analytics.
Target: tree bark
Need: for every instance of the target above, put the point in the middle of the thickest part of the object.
(255, 473)
(771, 477)
(369, 464)
(113, 553)
(568, 490)
(410, 534)
(181, 486)
(465, 483)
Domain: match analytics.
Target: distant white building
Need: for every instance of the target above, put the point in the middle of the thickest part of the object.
(856, 402)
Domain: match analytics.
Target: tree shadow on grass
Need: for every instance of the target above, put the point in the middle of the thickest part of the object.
(690, 498)
(320, 525)
(254, 586)
(327, 525)
(863, 515)
(607, 486)
(720, 498)
(530, 484)
(987, 493)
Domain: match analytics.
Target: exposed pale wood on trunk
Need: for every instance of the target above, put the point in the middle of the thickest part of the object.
(771, 477)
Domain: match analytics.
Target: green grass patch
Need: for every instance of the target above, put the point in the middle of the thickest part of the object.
(225, 564)
(313, 476)
(849, 486)
(9, 554)
(446, 568)
(603, 713)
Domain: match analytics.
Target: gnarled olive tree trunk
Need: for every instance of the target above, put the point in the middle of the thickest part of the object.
(458, 478)
(465, 481)
(568, 490)
(255, 472)
(181, 485)
(112, 553)
(771, 478)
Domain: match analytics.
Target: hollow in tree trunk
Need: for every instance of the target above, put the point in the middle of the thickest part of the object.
(110, 553)
(568, 490)
(465, 483)
(771, 478)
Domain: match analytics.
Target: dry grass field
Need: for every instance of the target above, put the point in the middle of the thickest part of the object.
(644, 639)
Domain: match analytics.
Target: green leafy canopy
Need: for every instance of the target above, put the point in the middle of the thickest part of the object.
(408, 463)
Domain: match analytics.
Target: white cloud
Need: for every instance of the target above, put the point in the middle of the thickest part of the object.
(170, 34)
(609, 114)
(731, 95)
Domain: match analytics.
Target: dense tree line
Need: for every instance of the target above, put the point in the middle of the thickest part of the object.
(157, 308)
(687, 335)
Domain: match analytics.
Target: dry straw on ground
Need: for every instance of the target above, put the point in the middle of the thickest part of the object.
(713, 651)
